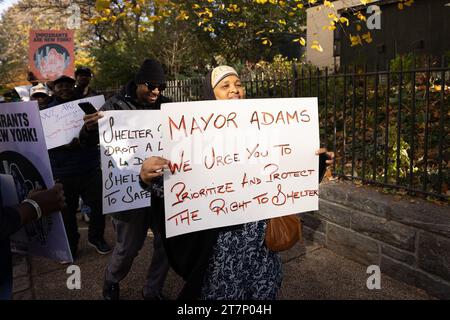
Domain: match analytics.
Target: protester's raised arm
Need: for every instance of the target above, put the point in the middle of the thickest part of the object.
(91, 120)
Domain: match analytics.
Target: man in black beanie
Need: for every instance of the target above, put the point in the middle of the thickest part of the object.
(142, 93)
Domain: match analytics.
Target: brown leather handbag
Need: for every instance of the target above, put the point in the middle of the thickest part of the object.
(282, 233)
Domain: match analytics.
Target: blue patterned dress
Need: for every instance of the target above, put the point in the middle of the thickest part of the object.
(241, 267)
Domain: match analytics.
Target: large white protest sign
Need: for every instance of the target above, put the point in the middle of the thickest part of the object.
(25, 165)
(127, 138)
(63, 122)
(237, 161)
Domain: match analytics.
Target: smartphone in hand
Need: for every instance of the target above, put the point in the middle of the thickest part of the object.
(87, 107)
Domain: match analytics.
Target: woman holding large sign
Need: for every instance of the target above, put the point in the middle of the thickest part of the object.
(231, 262)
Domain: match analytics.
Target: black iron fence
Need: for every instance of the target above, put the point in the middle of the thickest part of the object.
(387, 127)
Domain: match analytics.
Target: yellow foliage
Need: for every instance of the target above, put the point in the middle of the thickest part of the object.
(361, 16)
(316, 46)
(403, 3)
(367, 37)
(266, 41)
(300, 40)
(101, 5)
(355, 40)
(233, 8)
(137, 9)
(344, 20)
(155, 18)
(182, 16)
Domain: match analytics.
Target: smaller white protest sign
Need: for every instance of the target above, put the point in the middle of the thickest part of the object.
(127, 138)
(63, 122)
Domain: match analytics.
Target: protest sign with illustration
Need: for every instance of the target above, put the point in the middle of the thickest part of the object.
(237, 161)
(63, 122)
(25, 165)
(127, 138)
(51, 53)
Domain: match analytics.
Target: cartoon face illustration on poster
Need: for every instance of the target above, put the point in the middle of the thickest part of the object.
(51, 60)
(26, 178)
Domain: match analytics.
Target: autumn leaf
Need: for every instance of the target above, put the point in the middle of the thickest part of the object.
(355, 40)
(101, 5)
(182, 16)
(367, 37)
(344, 20)
(266, 41)
(300, 40)
(316, 46)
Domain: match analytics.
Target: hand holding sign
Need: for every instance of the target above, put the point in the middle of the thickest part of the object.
(329, 155)
(49, 201)
(91, 120)
(153, 168)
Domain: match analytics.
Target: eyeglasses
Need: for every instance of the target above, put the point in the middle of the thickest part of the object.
(152, 86)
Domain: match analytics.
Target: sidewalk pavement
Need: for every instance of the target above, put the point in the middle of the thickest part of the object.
(310, 272)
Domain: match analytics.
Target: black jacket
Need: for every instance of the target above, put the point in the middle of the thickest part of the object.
(9, 224)
(188, 254)
(72, 159)
(125, 100)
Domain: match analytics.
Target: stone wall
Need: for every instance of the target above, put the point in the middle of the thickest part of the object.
(407, 237)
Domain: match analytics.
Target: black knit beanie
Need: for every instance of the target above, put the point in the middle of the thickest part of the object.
(151, 71)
